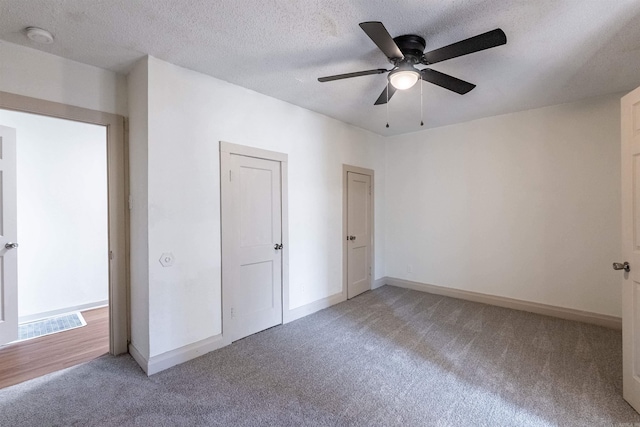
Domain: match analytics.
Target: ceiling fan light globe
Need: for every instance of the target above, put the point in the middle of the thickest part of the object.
(404, 79)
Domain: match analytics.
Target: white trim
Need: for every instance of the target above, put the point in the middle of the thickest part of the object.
(226, 150)
(378, 283)
(345, 249)
(183, 354)
(180, 355)
(81, 307)
(118, 184)
(605, 320)
(259, 153)
(307, 309)
(177, 356)
(284, 229)
(138, 357)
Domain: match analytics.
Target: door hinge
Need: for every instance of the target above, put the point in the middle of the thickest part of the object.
(232, 312)
(110, 254)
(230, 175)
(130, 202)
(369, 270)
(369, 190)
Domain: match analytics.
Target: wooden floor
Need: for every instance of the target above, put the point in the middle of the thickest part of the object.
(39, 356)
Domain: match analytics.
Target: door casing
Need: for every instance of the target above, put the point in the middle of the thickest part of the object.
(8, 222)
(345, 217)
(227, 236)
(630, 153)
(118, 184)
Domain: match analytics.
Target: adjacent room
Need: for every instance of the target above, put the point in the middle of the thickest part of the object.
(325, 213)
(62, 268)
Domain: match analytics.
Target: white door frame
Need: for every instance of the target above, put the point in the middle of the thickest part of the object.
(226, 235)
(117, 175)
(9, 274)
(630, 152)
(345, 217)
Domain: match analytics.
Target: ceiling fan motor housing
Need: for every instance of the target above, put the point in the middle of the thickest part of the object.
(412, 47)
(405, 75)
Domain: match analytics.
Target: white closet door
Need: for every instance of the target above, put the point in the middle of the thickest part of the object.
(257, 280)
(359, 233)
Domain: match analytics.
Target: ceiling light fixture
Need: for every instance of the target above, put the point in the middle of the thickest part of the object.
(39, 35)
(404, 77)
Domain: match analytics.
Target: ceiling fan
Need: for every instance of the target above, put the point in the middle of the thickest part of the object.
(405, 52)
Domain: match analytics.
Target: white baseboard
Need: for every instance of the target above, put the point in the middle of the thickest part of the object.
(311, 308)
(183, 354)
(46, 314)
(379, 282)
(532, 307)
(138, 357)
(180, 355)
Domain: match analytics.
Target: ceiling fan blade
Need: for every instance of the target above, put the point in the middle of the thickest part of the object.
(380, 36)
(474, 44)
(382, 99)
(349, 75)
(446, 81)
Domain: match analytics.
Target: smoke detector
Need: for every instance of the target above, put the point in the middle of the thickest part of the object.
(39, 35)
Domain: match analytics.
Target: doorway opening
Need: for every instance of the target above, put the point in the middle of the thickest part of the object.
(62, 245)
(117, 320)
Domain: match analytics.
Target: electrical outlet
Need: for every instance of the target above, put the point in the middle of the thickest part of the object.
(166, 259)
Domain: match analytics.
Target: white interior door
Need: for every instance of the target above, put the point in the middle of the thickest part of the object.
(631, 248)
(257, 277)
(8, 230)
(358, 233)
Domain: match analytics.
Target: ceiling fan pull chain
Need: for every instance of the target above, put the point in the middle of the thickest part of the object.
(387, 105)
(421, 113)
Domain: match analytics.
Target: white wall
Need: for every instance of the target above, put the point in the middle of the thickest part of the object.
(188, 114)
(62, 213)
(524, 205)
(139, 215)
(504, 205)
(37, 74)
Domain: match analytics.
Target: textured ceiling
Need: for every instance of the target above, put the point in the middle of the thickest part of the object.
(557, 51)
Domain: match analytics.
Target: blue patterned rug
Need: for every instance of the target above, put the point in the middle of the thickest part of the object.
(50, 325)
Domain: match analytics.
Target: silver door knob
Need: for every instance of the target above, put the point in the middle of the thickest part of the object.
(11, 245)
(624, 266)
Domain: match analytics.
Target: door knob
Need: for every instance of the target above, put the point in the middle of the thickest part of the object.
(351, 237)
(11, 245)
(625, 266)
(277, 246)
